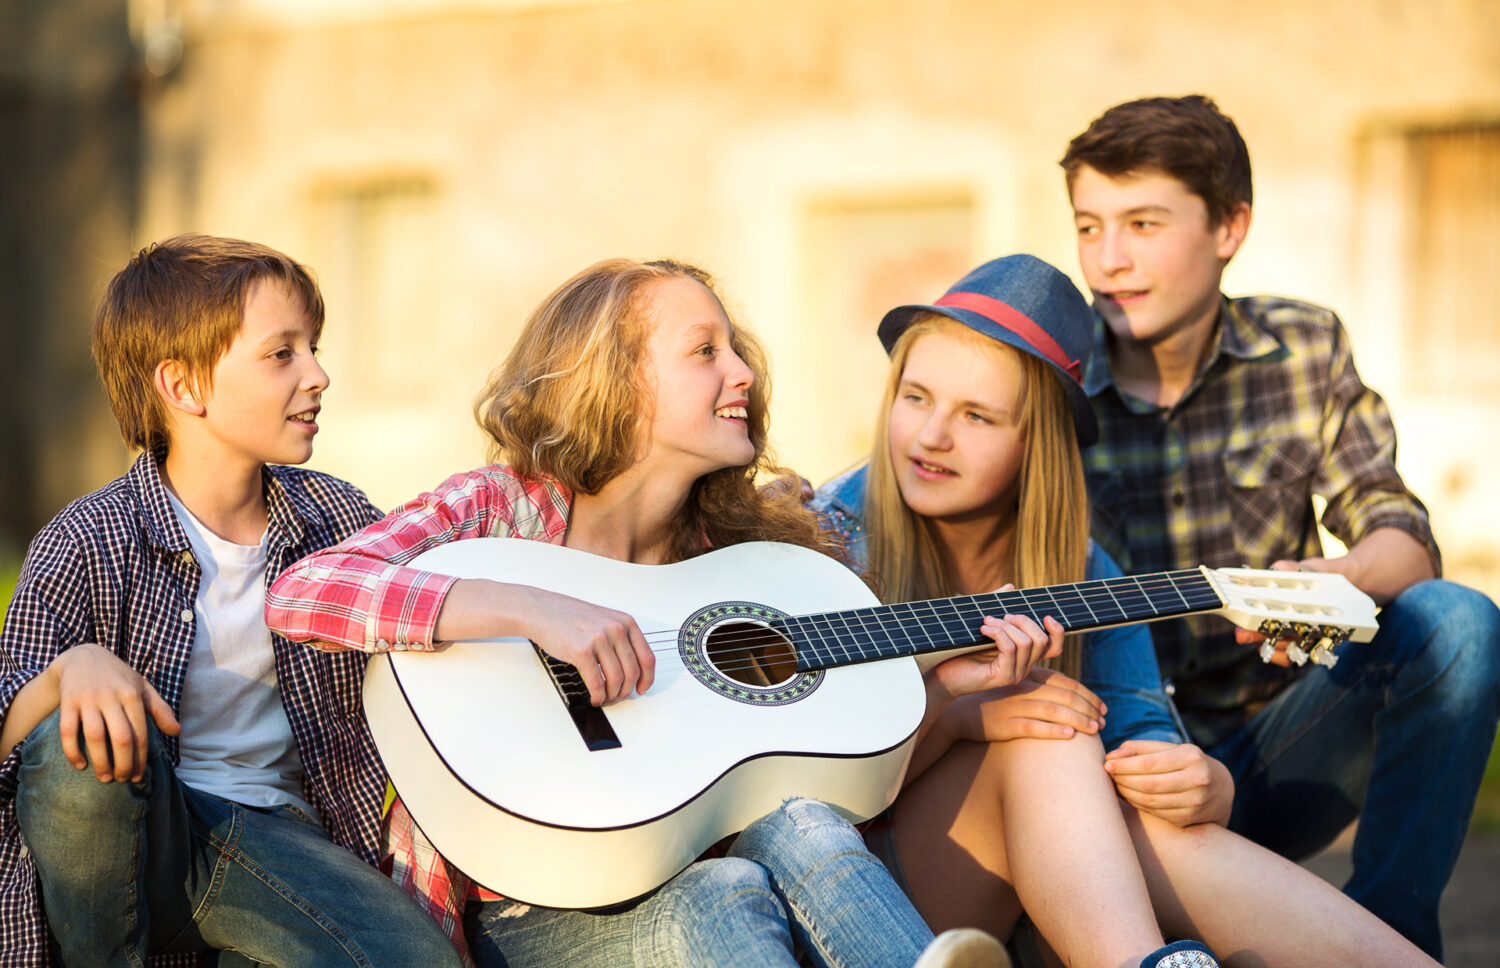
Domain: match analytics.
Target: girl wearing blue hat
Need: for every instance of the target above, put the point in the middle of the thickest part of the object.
(1011, 801)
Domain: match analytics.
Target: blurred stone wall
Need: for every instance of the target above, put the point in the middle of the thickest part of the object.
(444, 163)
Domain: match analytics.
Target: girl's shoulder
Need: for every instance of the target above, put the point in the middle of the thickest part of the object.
(1100, 564)
(840, 503)
(844, 494)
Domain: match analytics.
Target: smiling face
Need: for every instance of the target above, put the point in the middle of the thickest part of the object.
(955, 436)
(1150, 254)
(263, 404)
(701, 386)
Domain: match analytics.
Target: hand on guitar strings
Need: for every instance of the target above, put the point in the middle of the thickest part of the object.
(605, 646)
(1020, 643)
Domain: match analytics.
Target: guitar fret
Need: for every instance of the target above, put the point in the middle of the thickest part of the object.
(912, 628)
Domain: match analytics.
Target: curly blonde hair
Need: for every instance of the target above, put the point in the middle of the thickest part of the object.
(572, 400)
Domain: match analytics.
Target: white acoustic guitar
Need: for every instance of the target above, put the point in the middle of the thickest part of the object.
(778, 674)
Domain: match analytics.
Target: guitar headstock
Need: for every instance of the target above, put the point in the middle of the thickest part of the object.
(1316, 610)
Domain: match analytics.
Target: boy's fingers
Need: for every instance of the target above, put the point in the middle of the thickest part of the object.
(161, 712)
(121, 743)
(69, 725)
(136, 716)
(96, 741)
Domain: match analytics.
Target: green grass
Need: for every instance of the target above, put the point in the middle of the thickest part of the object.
(10, 570)
(1487, 806)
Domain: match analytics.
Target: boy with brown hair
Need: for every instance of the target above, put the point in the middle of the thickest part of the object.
(176, 778)
(1219, 420)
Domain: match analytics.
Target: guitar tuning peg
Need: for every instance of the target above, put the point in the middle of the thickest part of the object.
(1297, 653)
(1267, 650)
(1331, 637)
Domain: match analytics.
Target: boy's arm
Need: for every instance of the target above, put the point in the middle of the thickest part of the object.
(47, 664)
(1370, 509)
(104, 702)
(1382, 564)
(46, 616)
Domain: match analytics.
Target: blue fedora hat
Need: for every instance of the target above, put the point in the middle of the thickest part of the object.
(1020, 301)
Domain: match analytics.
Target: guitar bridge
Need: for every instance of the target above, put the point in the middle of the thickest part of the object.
(593, 726)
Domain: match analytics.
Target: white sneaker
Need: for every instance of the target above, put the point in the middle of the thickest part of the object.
(964, 948)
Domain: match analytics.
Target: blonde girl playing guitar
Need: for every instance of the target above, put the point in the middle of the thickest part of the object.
(633, 415)
(1011, 800)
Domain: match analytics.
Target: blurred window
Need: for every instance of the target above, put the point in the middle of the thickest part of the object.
(382, 283)
(861, 257)
(1454, 194)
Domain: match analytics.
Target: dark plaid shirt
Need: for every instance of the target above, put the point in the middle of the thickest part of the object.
(114, 568)
(1226, 477)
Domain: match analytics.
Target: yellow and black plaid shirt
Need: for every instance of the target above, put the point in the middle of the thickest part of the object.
(1226, 476)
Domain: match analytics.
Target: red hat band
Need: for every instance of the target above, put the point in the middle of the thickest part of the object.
(1008, 317)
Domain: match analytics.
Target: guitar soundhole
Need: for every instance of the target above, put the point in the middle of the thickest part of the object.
(751, 654)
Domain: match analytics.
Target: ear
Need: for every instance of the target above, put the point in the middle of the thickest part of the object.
(1231, 233)
(176, 389)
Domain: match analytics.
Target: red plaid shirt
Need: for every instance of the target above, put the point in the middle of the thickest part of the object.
(359, 594)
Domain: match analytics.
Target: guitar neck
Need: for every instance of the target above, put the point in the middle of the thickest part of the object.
(832, 639)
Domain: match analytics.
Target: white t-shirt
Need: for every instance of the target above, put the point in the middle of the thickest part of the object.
(236, 742)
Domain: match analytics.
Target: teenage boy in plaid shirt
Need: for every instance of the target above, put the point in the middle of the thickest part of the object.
(1219, 420)
(176, 779)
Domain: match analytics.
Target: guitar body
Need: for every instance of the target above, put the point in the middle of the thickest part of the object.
(494, 769)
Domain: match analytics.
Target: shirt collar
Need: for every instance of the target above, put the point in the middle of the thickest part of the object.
(162, 527)
(287, 509)
(1240, 336)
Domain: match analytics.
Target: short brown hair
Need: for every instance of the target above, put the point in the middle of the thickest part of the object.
(1188, 138)
(182, 299)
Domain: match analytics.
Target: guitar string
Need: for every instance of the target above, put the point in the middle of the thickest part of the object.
(1086, 594)
(1066, 601)
(1081, 611)
(1072, 607)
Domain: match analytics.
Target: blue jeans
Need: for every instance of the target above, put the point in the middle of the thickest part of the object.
(133, 869)
(799, 876)
(1398, 734)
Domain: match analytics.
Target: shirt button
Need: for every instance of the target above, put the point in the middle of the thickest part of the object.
(1178, 499)
(186, 615)
(383, 643)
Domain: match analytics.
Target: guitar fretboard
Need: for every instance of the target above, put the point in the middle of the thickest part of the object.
(832, 639)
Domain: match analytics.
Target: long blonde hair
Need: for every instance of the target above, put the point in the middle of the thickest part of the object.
(572, 399)
(1050, 545)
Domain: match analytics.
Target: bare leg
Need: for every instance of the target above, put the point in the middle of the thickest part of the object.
(992, 827)
(1254, 907)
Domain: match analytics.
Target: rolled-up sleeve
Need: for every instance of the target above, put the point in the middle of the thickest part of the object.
(362, 594)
